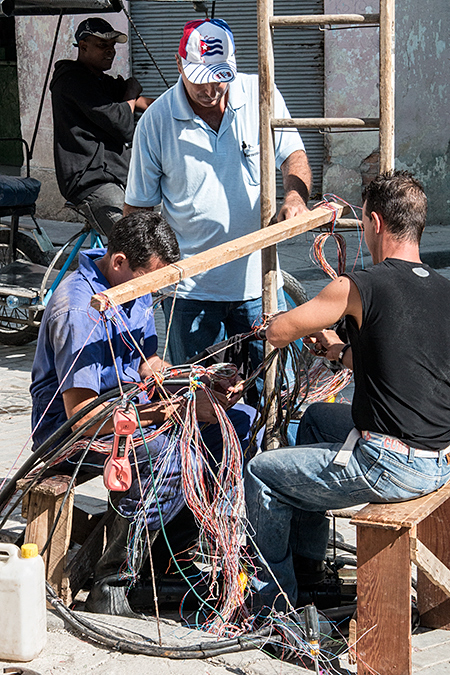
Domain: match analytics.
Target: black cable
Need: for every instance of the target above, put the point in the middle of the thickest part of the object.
(69, 487)
(9, 489)
(58, 451)
(133, 25)
(148, 647)
(349, 548)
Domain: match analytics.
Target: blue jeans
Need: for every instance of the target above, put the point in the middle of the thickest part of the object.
(289, 490)
(198, 324)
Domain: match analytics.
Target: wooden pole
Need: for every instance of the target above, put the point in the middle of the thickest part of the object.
(268, 187)
(267, 151)
(232, 250)
(326, 122)
(387, 85)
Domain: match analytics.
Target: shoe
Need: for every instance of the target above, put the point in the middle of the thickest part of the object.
(108, 594)
(308, 572)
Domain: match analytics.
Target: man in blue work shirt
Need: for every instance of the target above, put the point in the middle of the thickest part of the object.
(81, 355)
(196, 150)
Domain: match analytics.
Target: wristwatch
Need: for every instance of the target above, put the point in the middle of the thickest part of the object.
(342, 352)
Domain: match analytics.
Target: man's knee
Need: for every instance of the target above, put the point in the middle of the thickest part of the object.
(325, 422)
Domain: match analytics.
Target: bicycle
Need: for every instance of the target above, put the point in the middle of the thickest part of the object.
(29, 275)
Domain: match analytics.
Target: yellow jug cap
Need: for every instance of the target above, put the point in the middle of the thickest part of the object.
(29, 550)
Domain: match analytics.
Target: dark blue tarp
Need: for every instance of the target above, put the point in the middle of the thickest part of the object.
(16, 191)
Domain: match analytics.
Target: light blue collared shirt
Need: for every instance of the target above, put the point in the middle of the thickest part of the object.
(208, 181)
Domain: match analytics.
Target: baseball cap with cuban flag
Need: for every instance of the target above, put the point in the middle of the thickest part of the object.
(207, 52)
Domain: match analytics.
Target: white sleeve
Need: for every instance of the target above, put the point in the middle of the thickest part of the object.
(289, 140)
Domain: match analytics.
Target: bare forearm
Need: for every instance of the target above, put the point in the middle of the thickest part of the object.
(152, 365)
(144, 102)
(151, 413)
(297, 177)
(127, 208)
(338, 298)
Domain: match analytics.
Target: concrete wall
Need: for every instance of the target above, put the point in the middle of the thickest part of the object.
(422, 100)
(34, 39)
(422, 95)
(351, 90)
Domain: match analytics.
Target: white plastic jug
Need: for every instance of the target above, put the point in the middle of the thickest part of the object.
(23, 617)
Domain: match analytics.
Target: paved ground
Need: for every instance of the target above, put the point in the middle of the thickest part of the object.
(65, 652)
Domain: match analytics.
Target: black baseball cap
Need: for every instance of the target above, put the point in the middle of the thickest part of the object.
(100, 28)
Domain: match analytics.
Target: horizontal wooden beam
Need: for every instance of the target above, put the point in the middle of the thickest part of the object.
(322, 20)
(217, 256)
(325, 122)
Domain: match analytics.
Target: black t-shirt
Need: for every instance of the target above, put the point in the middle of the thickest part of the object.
(401, 354)
(92, 129)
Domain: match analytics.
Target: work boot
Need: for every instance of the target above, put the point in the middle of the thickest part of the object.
(181, 533)
(108, 592)
(308, 572)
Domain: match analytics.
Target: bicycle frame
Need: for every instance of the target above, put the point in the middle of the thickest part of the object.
(96, 242)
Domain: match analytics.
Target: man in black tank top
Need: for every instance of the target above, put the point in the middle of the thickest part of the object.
(391, 445)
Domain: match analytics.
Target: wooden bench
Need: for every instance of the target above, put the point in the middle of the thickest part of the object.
(389, 538)
(40, 507)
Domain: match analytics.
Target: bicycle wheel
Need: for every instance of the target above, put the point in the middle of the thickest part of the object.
(294, 292)
(11, 331)
(295, 295)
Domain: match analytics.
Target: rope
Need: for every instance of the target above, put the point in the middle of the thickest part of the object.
(125, 11)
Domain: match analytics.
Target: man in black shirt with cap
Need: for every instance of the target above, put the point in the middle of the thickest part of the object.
(93, 115)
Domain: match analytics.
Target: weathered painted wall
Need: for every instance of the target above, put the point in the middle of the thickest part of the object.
(351, 90)
(34, 39)
(422, 99)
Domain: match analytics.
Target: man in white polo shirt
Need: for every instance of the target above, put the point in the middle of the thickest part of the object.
(196, 150)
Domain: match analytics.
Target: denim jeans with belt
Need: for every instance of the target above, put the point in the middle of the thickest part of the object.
(289, 490)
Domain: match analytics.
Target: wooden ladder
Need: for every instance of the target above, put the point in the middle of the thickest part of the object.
(267, 22)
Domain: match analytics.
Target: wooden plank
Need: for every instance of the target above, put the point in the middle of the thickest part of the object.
(40, 519)
(54, 485)
(430, 565)
(322, 20)
(433, 604)
(59, 546)
(149, 283)
(384, 602)
(352, 639)
(44, 501)
(402, 514)
(387, 85)
(343, 513)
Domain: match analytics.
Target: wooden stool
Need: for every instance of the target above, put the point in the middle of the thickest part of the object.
(40, 507)
(389, 537)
